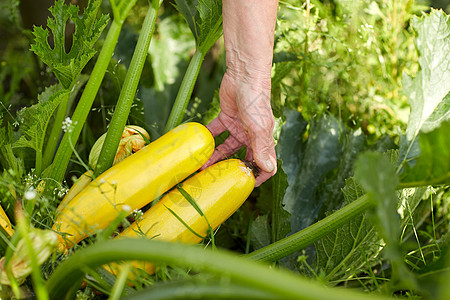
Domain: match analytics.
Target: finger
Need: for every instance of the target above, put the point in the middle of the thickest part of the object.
(223, 151)
(264, 154)
(216, 127)
(249, 155)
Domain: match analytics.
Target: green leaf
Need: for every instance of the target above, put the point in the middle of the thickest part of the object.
(67, 65)
(213, 110)
(428, 92)
(190, 14)
(183, 222)
(190, 200)
(440, 114)
(376, 174)
(8, 160)
(260, 232)
(204, 18)
(35, 120)
(431, 166)
(320, 156)
(343, 253)
(263, 232)
(211, 23)
(280, 217)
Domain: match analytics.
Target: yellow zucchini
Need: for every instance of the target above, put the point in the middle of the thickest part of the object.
(135, 182)
(5, 223)
(131, 142)
(218, 190)
(76, 188)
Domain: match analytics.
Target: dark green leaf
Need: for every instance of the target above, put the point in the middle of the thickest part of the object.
(280, 217)
(260, 232)
(67, 65)
(320, 157)
(330, 193)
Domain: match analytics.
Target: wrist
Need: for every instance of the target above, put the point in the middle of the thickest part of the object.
(258, 75)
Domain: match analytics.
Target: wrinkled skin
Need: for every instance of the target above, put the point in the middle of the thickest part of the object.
(246, 113)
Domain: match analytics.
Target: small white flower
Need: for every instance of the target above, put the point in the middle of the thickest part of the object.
(30, 194)
(63, 191)
(67, 125)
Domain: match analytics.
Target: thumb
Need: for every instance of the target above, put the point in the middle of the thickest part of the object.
(265, 157)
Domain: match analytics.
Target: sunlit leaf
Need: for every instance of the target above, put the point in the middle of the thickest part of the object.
(428, 92)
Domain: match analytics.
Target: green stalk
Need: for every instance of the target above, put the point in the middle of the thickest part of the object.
(119, 285)
(198, 288)
(283, 284)
(128, 91)
(311, 234)
(38, 281)
(55, 133)
(64, 152)
(185, 91)
(38, 161)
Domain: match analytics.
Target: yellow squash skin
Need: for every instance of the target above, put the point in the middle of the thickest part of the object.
(218, 190)
(5, 223)
(135, 181)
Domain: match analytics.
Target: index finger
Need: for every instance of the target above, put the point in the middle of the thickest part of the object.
(216, 127)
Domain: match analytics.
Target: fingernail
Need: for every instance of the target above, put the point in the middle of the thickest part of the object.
(269, 165)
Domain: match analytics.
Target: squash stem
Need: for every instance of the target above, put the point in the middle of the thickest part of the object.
(128, 91)
(282, 284)
(83, 108)
(184, 93)
(55, 133)
(311, 234)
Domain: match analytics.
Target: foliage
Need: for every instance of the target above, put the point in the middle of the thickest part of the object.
(355, 202)
(67, 66)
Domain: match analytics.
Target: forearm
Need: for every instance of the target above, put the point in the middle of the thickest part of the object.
(248, 27)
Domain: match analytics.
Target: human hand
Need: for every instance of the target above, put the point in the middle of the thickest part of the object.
(247, 115)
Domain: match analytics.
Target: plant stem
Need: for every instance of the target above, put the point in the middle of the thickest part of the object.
(283, 284)
(55, 133)
(198, 288)
(38, 281)
(185, 91)
(128, 91)
(64, 152)
(38, 161)
(120, 282)
(311, 234)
